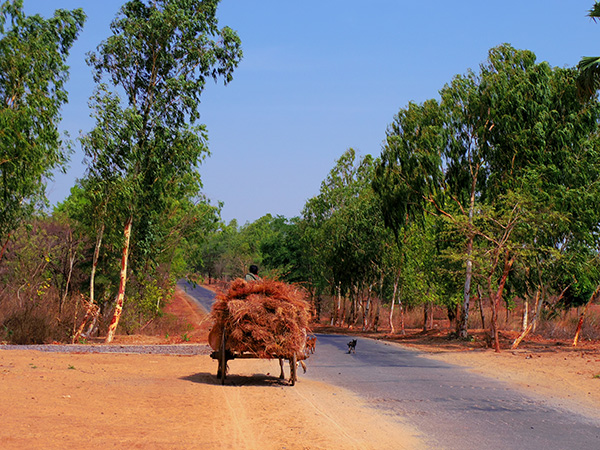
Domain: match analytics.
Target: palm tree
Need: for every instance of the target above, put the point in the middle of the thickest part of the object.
(588, 82)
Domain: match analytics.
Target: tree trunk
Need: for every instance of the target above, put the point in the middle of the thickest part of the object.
(99, 237)
(66, 293)
(4, 246)
(427, 315)
(377, 309)
(367, 309)
(592, 299)
(343, 319)
(123, 280)
(91, 311)
(525, 314)
(71, 258)
(396, 281)
(93, 327)
(480, 303)
(354, 311)
(496, 298)
(336, 308)
(529, 327)
(318, 308)
(463, 322)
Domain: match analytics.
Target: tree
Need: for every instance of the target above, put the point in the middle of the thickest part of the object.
(159, 56)
(282, 251)
(545, 159)
(348, 241)
(588, 82)
(512, 132)
(33, 72)
(408, 179)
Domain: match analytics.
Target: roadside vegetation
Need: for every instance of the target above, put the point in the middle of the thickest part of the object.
(481, 212)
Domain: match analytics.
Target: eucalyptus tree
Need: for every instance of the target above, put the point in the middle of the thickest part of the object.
(588, 82)
(159, 58)
(511, 132)
(214, 258)
(282, 251)
(335, 192)
(348, 236)
(33, 72)
(467, 156)
(546, 160)
(408, 180)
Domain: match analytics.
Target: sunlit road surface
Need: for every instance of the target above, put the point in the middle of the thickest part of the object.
(452, 408)
(203, 297)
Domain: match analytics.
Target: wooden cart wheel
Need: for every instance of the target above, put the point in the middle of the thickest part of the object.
(293, 370)
(223, 359)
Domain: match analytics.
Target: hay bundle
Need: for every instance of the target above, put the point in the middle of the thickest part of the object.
(266, 318)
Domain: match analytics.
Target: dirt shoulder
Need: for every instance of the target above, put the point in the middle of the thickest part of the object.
(98, 401)
(155, 401)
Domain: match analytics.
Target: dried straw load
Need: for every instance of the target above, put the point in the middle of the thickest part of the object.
(267, 318)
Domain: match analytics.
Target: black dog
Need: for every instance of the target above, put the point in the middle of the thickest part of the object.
(352, 346)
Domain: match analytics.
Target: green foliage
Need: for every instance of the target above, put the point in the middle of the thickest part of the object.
(33, 71)
(588, 81)
(145, 148)
(410, 169)
(509, 160)
(282, 251)
(345, 241)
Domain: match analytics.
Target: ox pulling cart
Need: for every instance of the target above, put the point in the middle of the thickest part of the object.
(260, 319)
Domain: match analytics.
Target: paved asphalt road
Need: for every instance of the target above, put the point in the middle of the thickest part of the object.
(452, 408)
(203, 297)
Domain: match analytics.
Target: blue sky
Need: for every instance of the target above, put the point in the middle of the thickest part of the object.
(321, 76)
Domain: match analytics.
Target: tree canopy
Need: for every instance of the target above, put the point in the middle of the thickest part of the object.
(33, 73)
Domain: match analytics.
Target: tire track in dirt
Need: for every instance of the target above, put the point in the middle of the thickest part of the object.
(326, 416)
(242, 431)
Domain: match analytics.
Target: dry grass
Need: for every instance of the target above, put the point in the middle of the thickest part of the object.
(38, 319)
(265, 318)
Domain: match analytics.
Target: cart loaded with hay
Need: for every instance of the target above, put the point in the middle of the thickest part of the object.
(260, 319)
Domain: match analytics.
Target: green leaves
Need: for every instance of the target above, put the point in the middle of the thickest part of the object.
(509, 158)
(588, 81)
(145, 148)
(33, 53)
(410, 170)
(169, 47)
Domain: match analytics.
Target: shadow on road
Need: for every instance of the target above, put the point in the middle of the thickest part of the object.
(236, 380)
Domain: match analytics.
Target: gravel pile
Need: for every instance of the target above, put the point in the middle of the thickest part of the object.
(179, 349)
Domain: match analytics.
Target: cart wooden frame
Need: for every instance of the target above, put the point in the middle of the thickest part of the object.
(222, 355)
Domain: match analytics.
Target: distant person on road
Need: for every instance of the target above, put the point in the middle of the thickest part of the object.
(252, 275)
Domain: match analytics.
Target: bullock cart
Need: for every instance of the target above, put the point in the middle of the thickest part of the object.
(260, 319)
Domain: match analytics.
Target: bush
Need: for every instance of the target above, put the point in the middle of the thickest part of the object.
(27, 327)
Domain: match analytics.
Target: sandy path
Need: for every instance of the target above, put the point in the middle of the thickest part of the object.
(93, 401)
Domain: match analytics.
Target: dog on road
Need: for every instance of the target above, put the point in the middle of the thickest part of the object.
(352, 346)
